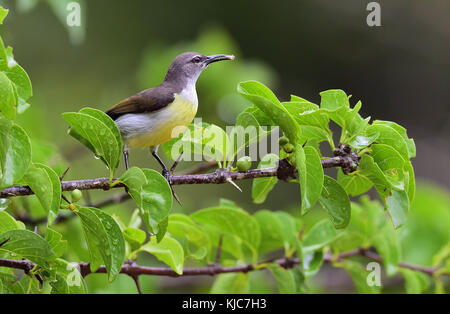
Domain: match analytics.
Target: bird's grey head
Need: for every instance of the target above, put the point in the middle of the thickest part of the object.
(187, 66)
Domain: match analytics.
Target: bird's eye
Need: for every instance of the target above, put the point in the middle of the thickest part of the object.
(196, 59)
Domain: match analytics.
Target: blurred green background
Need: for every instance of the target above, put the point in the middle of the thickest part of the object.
(400, 71)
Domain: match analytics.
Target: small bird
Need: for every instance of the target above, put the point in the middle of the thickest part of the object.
(156, 115)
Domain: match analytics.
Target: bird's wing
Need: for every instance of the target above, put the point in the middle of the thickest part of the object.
(145, 101)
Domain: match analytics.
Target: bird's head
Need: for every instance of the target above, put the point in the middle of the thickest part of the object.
(189, 65)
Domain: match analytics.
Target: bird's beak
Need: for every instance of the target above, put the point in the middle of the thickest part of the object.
(215, 58)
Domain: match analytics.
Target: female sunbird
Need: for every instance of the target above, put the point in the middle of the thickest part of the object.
(156, 115)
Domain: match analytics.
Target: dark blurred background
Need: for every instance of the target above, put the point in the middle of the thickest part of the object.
(400, 70)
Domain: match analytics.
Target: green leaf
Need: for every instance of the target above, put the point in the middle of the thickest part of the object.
(153, 196)
(45, 183)
(135, 237)
(386, 242)
(362, 140)
(354, 183)
(104, 239)
(320, 235)
(415, 281)
(246, 131)
(389, 136)
(311, 263)
(402, 131)
(233, 283)
(314, 179)
(17, 156)
(183, 226)
(7, 223)
(278, 230)
(337, 105)
(3, 14)
(359, 276)
(27, 244)
(236, 226)
(390, 162)
(284, 278)
(168, 251)
(271, 231)
(55, 241)
(397, 206)
(372, 171)
(68, 279)
(99, 137)
(262, 186)
(336, 202)
(19, 78)
(8, 97)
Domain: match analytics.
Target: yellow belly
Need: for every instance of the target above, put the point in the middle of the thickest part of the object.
(166, 123)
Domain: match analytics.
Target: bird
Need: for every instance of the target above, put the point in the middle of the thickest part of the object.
(156, 115)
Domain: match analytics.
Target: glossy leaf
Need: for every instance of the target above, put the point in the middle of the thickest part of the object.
(17, 156)
(68, 279)
(99, 137)
(284, 278)
(8, 97)
(262, 186)
(320, 235)
(354, 183)
(233, 283)
(152, 194)
(27, 244)
(237, 227)
(54, 239)
(314, 179)
(45, 183)
(7, 223)
(168, 251)
(105, 240)
(336, 202)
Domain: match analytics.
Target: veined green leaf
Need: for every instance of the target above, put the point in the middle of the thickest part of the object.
(336, 202)
(311, 263)
(354, 183)
(359, 276)
(234, 283)
(17, 156)
(135, 237)
(7, 223)
(55, 241)
(8, 97)
(262, 186)
(236, 226)
(152, 194)
(68, 279)
(45, 183)
(104, 238)
(389, 136)
(415, 281)
(183, 226)
(168, 251)
(397, 206)
(101, 139)
(314, 179)
(402, 131)
(320, 235)
(27, 244)
(284, 278)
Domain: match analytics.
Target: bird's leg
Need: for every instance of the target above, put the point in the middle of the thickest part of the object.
(166, 173)
(125, 156)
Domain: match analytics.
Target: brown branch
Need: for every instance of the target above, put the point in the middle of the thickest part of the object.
(133, 270)
(284, 171)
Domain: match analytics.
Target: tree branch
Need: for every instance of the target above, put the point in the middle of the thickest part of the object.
(347, 160)
(133, 270)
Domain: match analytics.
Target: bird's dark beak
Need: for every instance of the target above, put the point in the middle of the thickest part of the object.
(215, 58)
